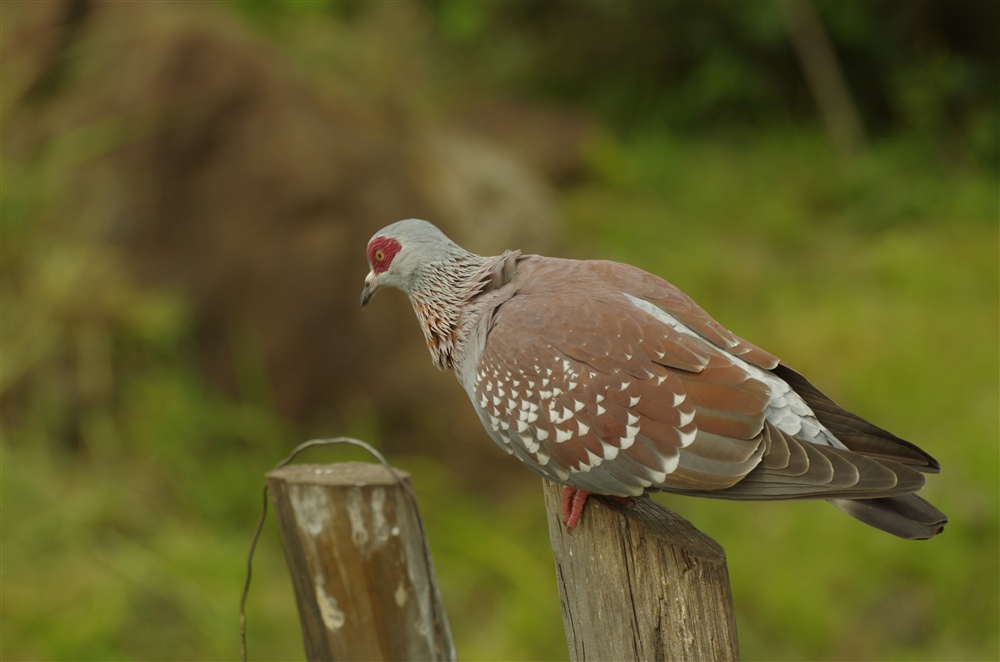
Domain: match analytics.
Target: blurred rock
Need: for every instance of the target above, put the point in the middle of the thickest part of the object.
(233, 179)
(550, 139)
(469, 177)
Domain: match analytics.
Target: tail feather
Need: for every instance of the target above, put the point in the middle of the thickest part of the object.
(907, 516)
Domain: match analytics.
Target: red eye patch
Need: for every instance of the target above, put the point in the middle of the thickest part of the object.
(381, 250)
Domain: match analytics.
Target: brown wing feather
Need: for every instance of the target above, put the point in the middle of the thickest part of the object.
(669, 298)
(614, 410)
(600, 395)
(820, 472)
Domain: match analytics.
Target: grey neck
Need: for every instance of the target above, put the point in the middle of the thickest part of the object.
(444, 293)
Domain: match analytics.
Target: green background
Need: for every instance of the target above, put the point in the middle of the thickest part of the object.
(129, 498)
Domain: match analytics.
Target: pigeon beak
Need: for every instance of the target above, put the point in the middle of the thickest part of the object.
(369, 289)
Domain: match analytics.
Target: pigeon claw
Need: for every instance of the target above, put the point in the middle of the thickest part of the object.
(573, 500)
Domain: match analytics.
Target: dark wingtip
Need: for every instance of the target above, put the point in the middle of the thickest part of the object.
(907, 516)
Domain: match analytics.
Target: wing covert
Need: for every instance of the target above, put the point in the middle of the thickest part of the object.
(594, 393)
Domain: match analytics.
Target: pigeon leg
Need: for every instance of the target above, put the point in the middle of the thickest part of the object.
(572, 501)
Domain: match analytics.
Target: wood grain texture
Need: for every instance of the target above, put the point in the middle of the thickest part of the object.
(364, 581)
(637, 582)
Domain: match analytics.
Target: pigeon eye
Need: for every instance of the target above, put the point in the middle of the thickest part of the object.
(381, 251)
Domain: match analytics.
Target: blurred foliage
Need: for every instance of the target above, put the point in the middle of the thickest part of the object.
(130, 486)
(920, 67)
(923, 68)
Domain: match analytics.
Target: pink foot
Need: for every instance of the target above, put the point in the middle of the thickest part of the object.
(574, 499)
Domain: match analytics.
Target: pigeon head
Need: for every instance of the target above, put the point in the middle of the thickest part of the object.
(402, 255)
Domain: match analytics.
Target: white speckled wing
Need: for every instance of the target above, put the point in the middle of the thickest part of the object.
(591, 391)
(623, 391)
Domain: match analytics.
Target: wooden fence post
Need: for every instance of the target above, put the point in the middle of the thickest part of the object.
(639, 582)
(363, 577)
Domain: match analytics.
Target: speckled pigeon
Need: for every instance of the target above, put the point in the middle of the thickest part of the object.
(611, 381)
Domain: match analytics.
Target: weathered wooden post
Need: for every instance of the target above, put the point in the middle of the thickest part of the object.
(639, 582)
(363, 577)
